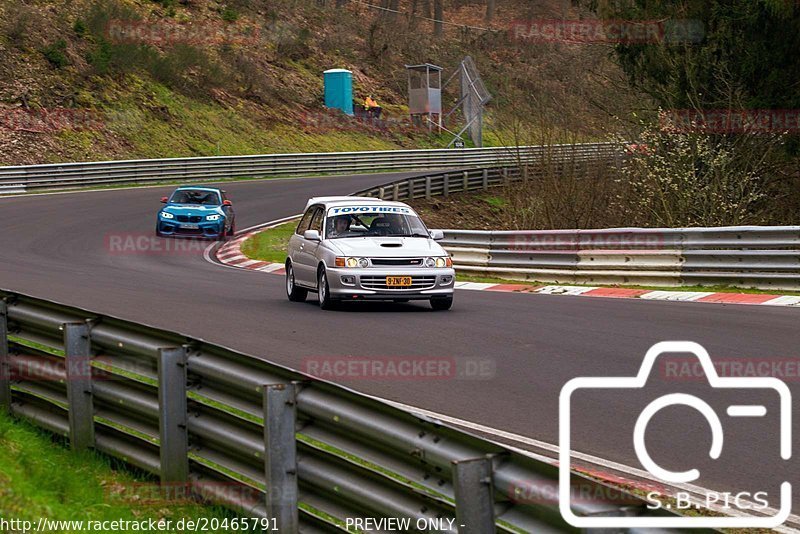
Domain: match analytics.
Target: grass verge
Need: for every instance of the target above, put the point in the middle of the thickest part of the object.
(270, 245)
(40, 478)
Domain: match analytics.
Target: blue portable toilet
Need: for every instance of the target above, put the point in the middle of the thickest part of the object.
(339, 90)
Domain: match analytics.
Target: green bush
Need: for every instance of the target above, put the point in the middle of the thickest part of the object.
(79, 28)
(54, 53)
(230, 15)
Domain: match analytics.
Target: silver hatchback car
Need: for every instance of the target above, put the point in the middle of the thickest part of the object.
(352, 248)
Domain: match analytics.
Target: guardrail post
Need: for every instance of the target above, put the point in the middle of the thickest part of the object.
(381, 192)
(485, 179)
(465, 187)
(506, 179)
(172, 408)
(427, 188)
(396, 192)
(446, 185)
(280, 461)
(5, 362)
(78, 361)
(474, 492)
(410, 191)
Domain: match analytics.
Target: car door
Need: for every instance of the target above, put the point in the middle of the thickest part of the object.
(309, 249)
(297, 245)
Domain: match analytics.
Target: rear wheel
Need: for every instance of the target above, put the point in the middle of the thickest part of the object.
(442, 304)
(295, 293)
(324, 291)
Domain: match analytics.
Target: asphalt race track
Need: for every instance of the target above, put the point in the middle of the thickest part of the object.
(57, 247)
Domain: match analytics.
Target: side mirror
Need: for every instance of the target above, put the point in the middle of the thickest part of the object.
(227, 203)
(164, 200)
(312, 235)
(437, 235)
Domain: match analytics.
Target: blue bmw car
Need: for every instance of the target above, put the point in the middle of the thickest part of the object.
(203, 212)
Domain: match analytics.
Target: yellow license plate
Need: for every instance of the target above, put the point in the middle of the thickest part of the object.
(398, 281)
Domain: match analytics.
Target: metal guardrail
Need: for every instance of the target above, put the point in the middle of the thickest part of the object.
(262, 439)
(764, 257)
(458, 181)
(75, 175)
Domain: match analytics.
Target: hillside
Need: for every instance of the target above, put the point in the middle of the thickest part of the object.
(207, 77)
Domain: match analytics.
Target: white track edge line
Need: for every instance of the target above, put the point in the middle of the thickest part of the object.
(638, 473)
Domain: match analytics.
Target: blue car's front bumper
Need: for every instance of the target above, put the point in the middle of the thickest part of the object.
(173, 228)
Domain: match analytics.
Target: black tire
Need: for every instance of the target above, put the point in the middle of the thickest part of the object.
(442, 304)
(293, 291)
(324, 291)
(224, 235)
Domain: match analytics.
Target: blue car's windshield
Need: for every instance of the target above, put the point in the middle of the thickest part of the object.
(196, 197)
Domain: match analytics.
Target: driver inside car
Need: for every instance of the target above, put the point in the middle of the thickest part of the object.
(341, 225)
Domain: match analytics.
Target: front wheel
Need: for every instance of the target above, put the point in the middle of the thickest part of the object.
(442, 304)
(224, 235)
(295, 293)
(324, 291)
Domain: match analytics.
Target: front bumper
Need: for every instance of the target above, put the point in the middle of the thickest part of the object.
(370, 283)
(172, 228)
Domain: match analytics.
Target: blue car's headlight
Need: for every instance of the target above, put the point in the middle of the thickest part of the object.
(212, 217)
(167, 215)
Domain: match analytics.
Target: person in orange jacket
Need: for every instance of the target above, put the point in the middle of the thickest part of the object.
(372, 108)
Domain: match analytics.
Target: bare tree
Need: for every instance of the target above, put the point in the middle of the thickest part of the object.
(490, 5)
(390, 9)
(438, 15)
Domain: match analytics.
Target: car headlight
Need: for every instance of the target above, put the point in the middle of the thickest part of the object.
(167, 215)
(352, 262)
(212, 217)
(440, 262)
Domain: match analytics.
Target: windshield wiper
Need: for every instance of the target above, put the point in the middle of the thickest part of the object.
(426, 236)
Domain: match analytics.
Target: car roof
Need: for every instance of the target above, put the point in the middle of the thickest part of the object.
(334, 201)
(199, 188)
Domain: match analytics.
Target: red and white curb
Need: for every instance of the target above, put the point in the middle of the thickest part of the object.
(644, 294)
(230, 254)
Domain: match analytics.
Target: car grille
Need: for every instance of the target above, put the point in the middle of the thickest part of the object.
(379, 282)
(189, 218)
(189, 231)
(394, 262)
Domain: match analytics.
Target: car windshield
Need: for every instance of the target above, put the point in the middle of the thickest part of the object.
(195, 196)
(374, 225)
